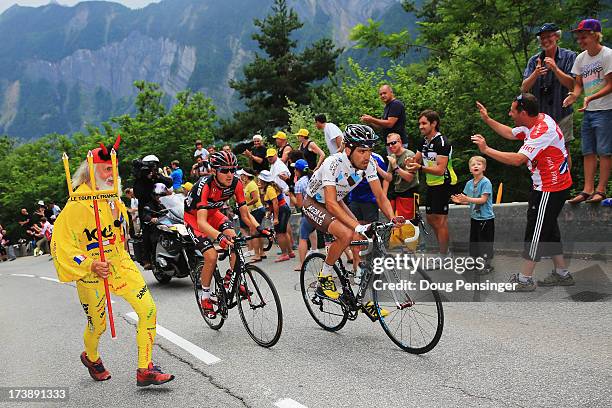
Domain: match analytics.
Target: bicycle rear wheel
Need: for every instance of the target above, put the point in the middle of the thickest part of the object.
(217, 296)
(415, 317)
(260, 308)
(330, 314)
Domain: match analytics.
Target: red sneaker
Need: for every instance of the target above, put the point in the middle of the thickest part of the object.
(152, 376)
(96, 369)
(208, 308)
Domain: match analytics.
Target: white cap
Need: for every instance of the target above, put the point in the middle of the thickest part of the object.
(41, 202)
(266, 176)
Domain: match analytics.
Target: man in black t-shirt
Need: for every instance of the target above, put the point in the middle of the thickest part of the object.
(25, 221)
(394, 115)
(257, 155)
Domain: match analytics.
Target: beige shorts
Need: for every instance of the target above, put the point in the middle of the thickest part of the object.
(567, 127)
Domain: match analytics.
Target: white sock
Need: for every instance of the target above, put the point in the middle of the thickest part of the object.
(327, 269)
(523, 278)
(562, 272)
(205, 293)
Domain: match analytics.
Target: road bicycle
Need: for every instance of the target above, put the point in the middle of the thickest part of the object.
(248, 287)
(412, 317)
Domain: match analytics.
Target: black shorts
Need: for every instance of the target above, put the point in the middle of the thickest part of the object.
(542, 234)
(367, 212)
(482, 235)
(201, 241)
(258, 214)
(438, 198)
(284, 212)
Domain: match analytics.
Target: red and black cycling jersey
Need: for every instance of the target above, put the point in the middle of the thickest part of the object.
(208, 195)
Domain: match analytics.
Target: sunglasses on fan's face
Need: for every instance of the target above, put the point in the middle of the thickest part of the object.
(393, 143)
(225, 170)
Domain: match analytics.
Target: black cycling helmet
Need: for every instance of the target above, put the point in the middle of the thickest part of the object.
(223, 159)
(359, 136)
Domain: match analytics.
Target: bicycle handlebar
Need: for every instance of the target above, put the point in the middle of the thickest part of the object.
(381, 226)
(240, 241)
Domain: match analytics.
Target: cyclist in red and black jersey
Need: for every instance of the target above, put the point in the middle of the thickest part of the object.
(205, 221)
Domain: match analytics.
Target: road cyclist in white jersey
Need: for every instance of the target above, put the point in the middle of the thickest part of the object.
(324, 207)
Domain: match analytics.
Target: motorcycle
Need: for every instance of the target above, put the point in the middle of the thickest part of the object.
(175, 253)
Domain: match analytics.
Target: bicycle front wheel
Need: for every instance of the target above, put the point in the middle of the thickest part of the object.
(329, 313)
(412, 318)
(260, 307)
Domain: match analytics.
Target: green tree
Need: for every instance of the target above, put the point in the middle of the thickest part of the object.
(475, 51)
(281, 73)
(168, 134)
(34, 171)
(509, 23)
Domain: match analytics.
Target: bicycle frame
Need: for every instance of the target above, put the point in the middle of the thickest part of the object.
(232, 294)
(375, 248)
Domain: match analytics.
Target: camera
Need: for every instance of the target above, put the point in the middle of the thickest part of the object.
(142, 169)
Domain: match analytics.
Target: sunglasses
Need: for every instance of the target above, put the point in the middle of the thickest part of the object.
(520, 102)
(225, 170)
(393, 143)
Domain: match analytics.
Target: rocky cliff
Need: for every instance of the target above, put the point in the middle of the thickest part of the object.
(62, 67)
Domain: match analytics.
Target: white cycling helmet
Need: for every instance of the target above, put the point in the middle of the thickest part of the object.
(150, 158)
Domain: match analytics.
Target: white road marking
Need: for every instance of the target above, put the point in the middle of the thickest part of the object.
(50, 279)
(288, 403)
(186, 345)
(25, 275)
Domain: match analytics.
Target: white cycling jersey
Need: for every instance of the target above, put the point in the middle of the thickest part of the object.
(338, 171)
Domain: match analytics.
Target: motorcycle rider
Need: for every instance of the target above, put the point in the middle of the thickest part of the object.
(147, 174)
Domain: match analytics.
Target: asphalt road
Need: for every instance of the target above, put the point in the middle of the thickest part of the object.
(553, 352)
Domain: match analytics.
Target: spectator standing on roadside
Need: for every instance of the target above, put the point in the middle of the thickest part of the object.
(199, 168)
(282, 146)
(544, 153)
(25, 221)
(200, 151)
(313, 154)
(394, 115)
(478, 193)
(435, 159)
(176, 175)
(306, 230)
(549, 77)
(333, 134)
(403, 183)
(279, 170)
(593, 70)
(132, 209)
(55, 210)
(257, 155)
(256, 209)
